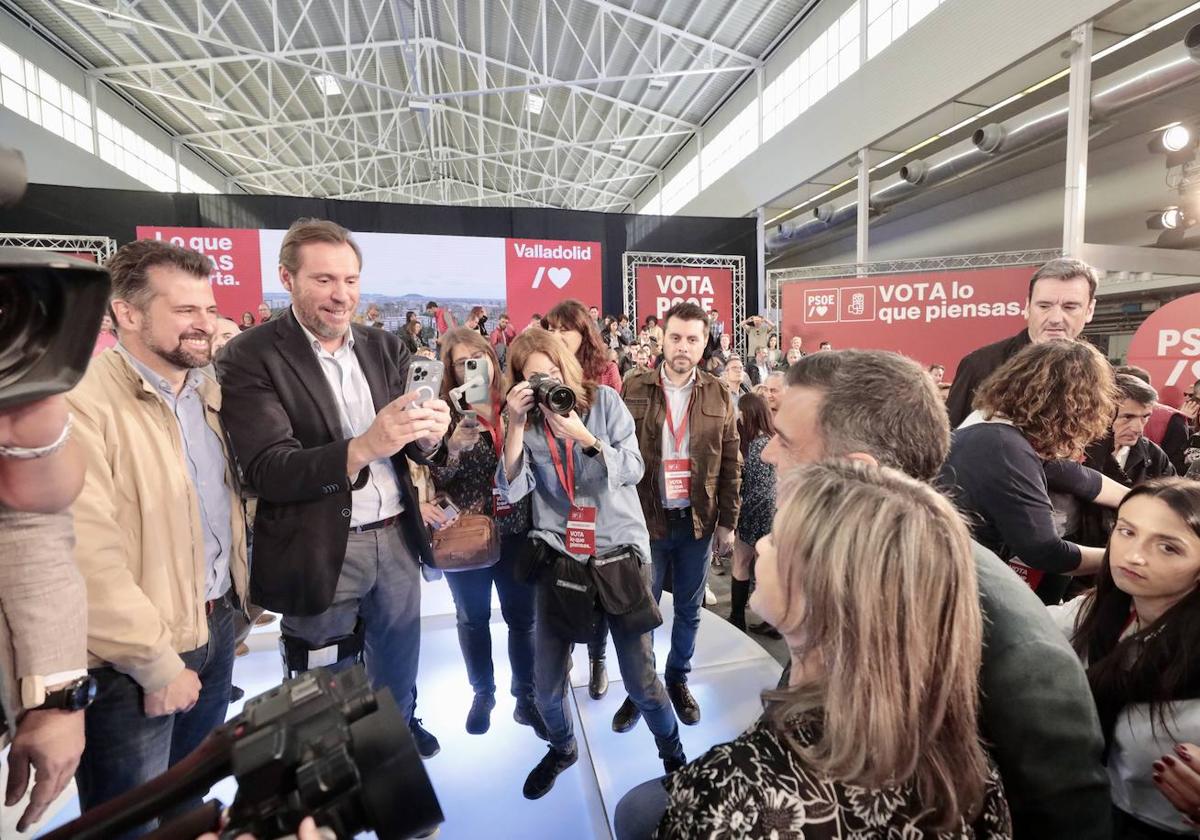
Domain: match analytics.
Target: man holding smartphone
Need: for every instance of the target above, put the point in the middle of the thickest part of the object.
(321, 425)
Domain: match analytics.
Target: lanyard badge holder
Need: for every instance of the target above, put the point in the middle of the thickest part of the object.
(581, 520)
(678, 471)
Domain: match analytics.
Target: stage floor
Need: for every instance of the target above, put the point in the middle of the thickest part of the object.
(478, 778)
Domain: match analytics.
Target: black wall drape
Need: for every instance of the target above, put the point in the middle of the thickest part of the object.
(77, 211)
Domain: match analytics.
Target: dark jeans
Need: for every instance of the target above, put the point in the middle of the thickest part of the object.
(472, 593)
(125, 748)
(640, 811)
(687, 560)
(635, 655)
(598, 646)
(380, 583)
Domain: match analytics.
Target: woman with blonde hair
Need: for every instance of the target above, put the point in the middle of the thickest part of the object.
(466, 479)
(589, 549)
(876, 734)
(1033, 418)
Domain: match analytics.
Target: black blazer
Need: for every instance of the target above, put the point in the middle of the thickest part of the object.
(287, 437)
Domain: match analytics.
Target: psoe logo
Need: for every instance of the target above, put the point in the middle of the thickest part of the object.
(857, 303)
(558, 276)
(821, 306)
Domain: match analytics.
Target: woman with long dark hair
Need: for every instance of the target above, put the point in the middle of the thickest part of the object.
(474, 444)
(756, 428)
(574, 326)
(589, 533)
(410, 334)
(1138, 632)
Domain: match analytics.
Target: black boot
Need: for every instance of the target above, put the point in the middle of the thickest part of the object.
(542, 777)
(739, 595)
(598, 679)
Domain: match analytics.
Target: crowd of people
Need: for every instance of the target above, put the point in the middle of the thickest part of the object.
(987, 599)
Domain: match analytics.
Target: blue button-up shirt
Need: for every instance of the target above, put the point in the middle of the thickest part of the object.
(207, 469)
(607, 482)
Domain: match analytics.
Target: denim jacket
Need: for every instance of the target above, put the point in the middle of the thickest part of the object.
(608, 481)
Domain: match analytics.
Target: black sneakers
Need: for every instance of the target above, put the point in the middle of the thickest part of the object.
(626, 717)
(542, 777)
(427, 745)
(685, 704)
(479, 719)
(598, 679)
(526, 713)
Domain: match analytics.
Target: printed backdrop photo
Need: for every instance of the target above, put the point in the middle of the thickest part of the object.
(401, 272)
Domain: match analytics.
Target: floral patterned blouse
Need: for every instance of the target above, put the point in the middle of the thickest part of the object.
(756, 787)
(467, 480)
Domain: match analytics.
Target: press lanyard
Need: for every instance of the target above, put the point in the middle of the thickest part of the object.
(566, 477)
(681, 434)
(496, 432)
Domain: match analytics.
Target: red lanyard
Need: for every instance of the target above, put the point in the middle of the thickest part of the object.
(681, 433)
(497, 431)
(566, 477)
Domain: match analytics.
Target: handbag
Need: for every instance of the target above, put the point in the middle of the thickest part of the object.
(468, 543)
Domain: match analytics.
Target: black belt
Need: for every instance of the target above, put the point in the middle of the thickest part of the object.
(374, 526)
(678, 514)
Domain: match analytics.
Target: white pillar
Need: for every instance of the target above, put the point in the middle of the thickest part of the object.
(864, 208)
(1078, 120)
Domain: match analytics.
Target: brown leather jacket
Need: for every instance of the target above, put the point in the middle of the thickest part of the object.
(713, 446)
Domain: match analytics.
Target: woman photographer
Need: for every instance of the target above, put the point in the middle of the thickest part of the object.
(582, 470)
(573, 325)
(1135, 632)
(466, 479)
(876, 733)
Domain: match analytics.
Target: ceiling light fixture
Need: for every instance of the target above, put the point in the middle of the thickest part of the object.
(1172, 218)
(1104, 53)
(1176, 138)
(534, 103)
(328, 85)
(619, 147)
(419, 105)
(658, 84)
(213, 114)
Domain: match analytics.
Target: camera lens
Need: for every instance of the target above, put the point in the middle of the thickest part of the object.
(560, 399)
(30, 311)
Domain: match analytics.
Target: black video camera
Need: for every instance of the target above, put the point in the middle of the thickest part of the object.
(50, 310)
(322, 744)
(551, 394)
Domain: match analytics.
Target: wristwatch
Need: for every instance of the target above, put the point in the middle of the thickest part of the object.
(593, 450)
(75, 696)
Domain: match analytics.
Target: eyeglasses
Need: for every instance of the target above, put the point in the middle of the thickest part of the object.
(461, 365)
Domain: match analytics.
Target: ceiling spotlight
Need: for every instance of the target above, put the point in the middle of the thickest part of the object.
(534, 103)
(1177, 142)
(658, 84)
(1172, 218)
(328, 85)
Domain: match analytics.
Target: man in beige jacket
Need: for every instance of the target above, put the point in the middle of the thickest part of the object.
(160, 529)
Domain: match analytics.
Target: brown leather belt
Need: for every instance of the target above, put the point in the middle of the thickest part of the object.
(375, 526)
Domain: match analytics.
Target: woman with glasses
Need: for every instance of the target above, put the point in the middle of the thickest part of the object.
(467, 480)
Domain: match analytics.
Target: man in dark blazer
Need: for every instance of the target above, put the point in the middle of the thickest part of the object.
(1061, 302)
(314, 406)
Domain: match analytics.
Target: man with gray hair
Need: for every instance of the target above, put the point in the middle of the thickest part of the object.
(1037, 712)
(1061, 302)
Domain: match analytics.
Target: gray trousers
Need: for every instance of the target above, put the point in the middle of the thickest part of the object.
(381, 584)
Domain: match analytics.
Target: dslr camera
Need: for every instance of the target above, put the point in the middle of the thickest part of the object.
(551, 395)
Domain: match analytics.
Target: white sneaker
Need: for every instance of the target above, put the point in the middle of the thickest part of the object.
(710, 599)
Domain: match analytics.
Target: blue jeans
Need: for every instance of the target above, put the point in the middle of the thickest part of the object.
(126, 749)
(380, 582)
(635, 655)
(640, 811)
(688, 560)
(472, 593)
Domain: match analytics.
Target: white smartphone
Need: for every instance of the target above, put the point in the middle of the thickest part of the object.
(424, 379)
(449, 509)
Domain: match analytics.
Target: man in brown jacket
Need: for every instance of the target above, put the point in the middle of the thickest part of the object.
(160, 530)
(687, 430)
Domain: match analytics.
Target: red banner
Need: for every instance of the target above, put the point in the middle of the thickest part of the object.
(542, 272)
(659, 287)
(1167, 344)
(936, 317)
(237, 273)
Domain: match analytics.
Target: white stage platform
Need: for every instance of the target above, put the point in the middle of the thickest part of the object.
(478, 778)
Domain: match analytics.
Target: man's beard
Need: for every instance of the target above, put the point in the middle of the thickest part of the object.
(685, 361)
(311, 318)
(179, 355)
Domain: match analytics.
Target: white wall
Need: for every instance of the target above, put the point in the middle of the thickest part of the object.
(51, 159)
